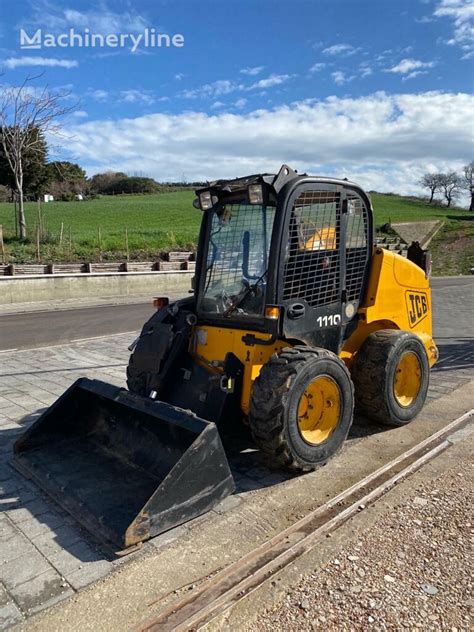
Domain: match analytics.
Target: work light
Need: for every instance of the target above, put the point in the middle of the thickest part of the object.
(255, 194)
(205, 200)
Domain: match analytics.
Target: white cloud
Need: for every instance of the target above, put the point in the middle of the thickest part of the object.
(136, 96)
(365, 70)
(252, 71)
(344, 50)
(102, 20)
(227, 86)
(16, 62)
(240, 103)
(179, 76)
(98, 95)
(415, 73)
(461, 12)
(425, 19)
(409, 65)
(217, 105)
(340, 78)
(269, 82)
(385, 142)
(212, 90)
(317, 67)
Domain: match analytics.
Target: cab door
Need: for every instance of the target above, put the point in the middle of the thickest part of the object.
(324, 260)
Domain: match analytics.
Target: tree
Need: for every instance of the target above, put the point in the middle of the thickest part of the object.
(35, 176)
(467, 181)
(132, 184)
(67, 179)
(432, 182)
(450, 185)
(101, 182)
(26, 116)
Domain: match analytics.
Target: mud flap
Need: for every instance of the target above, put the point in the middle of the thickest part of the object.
(127, 468)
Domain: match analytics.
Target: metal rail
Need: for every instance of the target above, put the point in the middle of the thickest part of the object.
(225, 588)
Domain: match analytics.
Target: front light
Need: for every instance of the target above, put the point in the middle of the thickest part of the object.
(255, 194)
(205, 200)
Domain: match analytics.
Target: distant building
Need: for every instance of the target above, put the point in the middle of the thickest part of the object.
(48, 198)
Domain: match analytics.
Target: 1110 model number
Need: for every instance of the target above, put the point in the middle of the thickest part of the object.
(328, 321)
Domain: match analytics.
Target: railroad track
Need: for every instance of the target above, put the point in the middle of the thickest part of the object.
(225, 588)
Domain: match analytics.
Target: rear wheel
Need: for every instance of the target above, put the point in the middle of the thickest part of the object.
(391, 377)
(301, 407)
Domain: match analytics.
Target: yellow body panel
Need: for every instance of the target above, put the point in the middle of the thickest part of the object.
(211, 344)
(323, 239)
(398, 296)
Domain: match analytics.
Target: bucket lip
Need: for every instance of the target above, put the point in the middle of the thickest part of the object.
(158, 409)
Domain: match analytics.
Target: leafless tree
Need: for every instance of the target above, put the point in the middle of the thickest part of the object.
(27, 115)
(468, 181)
(450, 185)
(431, 181)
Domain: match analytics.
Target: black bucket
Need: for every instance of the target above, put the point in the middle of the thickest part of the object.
(125, 467)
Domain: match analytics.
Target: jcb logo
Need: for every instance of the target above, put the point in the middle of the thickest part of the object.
(417, 306)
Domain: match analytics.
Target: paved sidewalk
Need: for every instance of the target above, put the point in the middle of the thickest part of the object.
(74, 303)
(44, 555)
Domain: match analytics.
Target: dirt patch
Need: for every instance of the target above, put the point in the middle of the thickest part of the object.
(453, 248)
(411, 571)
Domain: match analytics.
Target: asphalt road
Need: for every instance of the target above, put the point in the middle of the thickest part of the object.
(41, 329)
(453, 301)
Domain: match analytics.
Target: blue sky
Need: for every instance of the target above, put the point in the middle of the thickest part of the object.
(378, 90)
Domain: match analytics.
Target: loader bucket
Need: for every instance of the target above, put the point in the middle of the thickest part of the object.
(126, 467)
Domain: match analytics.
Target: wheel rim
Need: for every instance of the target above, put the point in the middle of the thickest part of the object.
(407, 383)
(319, 410)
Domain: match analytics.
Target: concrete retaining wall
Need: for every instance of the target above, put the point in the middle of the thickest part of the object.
(49, 287)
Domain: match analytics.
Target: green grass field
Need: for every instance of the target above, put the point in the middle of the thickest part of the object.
(155, 223)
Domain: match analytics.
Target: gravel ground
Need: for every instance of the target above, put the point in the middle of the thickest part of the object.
(412, 570)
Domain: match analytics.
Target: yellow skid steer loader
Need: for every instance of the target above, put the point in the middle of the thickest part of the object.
(295, 318)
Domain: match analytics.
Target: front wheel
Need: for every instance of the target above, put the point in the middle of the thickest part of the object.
(301, 407)
(391, 377)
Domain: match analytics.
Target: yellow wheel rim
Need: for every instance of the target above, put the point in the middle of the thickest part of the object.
(319, 410)
(407, 379)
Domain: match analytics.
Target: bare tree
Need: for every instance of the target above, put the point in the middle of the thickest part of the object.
(431, 181)
(468, 181)
(26, 116)
(450, 184)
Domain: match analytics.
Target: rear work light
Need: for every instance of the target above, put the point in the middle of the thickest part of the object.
(205, 200)
(255, 194)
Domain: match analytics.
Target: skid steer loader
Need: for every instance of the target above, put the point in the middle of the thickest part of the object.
(295, 318)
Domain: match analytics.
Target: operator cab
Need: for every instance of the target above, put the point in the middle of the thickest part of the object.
(295, 242)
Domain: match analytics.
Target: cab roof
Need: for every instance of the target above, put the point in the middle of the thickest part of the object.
(276, 181)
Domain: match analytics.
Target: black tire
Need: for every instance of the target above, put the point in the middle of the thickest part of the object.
(276, 395)
(374, 372)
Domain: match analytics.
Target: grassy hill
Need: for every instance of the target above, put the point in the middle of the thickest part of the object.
(157, 222)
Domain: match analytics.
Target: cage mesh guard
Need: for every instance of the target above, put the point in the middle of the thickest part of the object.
(226, 261)
(312, 262)
(356, 247)
(312, 268)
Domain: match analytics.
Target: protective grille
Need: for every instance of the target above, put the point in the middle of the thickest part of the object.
(312, 262)
(356, 246)
(238, 248)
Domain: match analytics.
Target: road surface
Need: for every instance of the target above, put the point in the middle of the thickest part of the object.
(453, 300)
